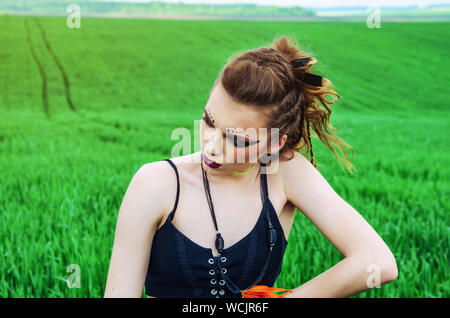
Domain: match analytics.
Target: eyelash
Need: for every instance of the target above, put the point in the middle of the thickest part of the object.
(235, 138)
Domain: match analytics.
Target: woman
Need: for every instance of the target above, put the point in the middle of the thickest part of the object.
(233, 216)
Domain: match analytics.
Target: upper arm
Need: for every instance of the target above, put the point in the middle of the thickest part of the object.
(144, 203)
(337, 220)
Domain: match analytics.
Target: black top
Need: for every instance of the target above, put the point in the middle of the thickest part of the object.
(180, 268)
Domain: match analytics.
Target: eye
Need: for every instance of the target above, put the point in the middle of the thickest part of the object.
(238, 142)
(204, 119)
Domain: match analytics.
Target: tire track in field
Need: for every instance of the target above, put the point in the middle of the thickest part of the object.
(63, 74)
(41, 69)
(67, 84)
(58, 64)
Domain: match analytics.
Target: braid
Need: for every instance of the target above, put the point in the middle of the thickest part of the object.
(313, 161)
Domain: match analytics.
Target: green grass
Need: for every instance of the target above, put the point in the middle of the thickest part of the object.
(64, 172)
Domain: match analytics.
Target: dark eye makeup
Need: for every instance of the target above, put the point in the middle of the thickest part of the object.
(237, 141)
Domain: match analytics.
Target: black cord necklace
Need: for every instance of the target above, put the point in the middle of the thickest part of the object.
(271, 237)
(219, 240)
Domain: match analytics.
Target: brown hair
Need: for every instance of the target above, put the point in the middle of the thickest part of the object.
(265, 78)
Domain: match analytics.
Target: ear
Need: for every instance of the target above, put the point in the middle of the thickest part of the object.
(276, 147)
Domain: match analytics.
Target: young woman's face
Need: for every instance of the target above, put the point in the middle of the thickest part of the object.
(230, 132)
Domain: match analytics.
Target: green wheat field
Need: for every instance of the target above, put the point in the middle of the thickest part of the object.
(82, 109)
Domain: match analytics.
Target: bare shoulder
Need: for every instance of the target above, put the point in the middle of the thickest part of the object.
(154, 185)
(148, 171)
(162, 175)
(299, 176)
(153, 175)
(290, 168)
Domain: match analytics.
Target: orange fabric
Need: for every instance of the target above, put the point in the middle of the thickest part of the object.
(262, 291)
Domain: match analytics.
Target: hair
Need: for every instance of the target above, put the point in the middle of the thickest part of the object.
(265, 78)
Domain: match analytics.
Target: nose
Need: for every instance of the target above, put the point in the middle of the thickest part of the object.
(212, 148)
(213, 143)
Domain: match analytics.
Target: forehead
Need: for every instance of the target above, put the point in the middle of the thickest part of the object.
(226, 113)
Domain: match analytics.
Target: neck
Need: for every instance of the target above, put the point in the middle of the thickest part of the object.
(244, 174)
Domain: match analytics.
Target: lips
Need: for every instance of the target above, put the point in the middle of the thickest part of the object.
(210, 163)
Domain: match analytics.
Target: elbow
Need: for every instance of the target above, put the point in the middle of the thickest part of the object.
(389, 271)
(382, 264)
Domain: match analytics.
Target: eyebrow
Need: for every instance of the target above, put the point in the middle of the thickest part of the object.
(209, 122)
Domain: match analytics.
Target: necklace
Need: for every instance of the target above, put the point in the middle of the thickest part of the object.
(243, 173)
(271, 238)
(219, 240)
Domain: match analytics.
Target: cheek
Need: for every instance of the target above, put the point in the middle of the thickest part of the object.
(202, 132)
(210, 138)
(254, 153)
(249, 153)
(206, 133)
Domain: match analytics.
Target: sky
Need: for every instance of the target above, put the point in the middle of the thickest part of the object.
(316, 3)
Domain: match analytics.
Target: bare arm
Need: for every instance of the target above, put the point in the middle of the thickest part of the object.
(344, 227)
(142, 207)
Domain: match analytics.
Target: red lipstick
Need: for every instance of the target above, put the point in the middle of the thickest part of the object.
(210, 163)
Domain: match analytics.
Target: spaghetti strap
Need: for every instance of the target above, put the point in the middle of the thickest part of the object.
(264, 190)
(171, 215)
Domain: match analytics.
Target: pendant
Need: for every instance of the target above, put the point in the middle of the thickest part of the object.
(219, 243)
(271, 236)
